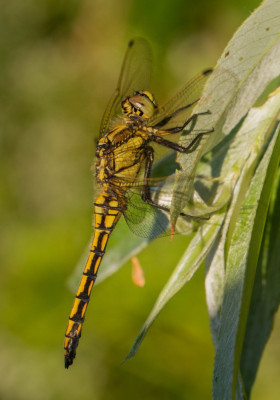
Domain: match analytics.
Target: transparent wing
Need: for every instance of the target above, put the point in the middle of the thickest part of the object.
(179, 108)
(145, 220)
(135, 75)
(149, 221)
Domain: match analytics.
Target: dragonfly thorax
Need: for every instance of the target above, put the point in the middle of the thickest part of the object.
(142, 104)
(101, 148)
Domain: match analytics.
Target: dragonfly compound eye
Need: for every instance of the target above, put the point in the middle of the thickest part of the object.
(141, 104)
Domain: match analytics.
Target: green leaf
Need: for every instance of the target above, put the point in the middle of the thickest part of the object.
(240, 273)
(242, 165)
(189, 263)
(248, 64)
(242, 157)
(235, 160)
(266, 294)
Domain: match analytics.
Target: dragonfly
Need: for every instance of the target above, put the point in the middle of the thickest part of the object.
(132, 125)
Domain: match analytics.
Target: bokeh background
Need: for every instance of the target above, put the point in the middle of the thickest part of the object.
(59, 63)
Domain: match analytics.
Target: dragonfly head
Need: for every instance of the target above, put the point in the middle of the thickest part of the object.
(142, 104)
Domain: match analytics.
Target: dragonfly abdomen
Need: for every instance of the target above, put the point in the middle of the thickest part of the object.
(107, 213)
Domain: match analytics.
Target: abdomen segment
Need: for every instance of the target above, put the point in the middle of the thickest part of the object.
(106, 214)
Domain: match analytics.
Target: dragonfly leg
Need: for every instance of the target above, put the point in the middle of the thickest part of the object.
(177, 147)
(166, 119)
(177, 129)
(146, 193)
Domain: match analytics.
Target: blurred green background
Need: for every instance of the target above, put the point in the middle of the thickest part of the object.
(59, 63)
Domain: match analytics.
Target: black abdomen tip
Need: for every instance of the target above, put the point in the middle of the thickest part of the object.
(68, 360)
(70, 353)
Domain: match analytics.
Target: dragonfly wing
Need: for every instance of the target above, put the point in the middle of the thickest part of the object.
(143, 219)
(135, 75)
(179, 108)
(148, 221)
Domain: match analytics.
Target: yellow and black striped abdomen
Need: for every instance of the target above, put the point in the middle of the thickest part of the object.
(106, 214)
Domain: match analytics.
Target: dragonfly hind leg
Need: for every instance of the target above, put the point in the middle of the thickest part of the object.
(146, 193)
(177, 147)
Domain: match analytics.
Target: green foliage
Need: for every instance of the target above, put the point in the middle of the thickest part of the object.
(59, 64)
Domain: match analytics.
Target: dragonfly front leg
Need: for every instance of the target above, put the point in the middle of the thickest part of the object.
(178, 129)
(169, 131)
(175, 146)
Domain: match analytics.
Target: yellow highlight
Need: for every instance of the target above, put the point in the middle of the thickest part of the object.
(75, 307)
(95, 240)
(97, 219)
(89, 260)
(113, 203)
(104, 241)
(113, 212)
(100, 200)
(74, 332)
(84, 310)
(89, 264)
(69, 327)
(96, 265)
(82, 285)
(90, 287)
(98, 210)
(109, 221)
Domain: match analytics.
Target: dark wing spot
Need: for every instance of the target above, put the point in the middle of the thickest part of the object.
(207, 71)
